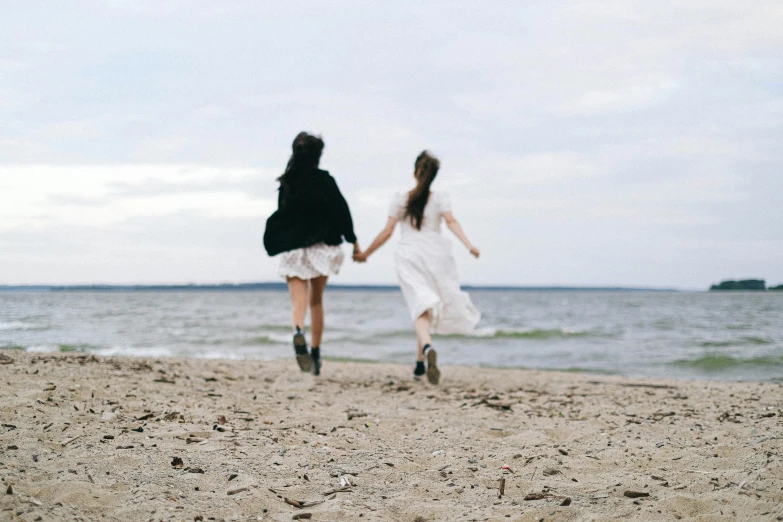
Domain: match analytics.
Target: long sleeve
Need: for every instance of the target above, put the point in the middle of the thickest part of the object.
(341, 214)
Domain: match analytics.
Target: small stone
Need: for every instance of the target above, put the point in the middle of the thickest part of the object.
(108, 437)
(177, 463)
(9, 490)
(563, 452)
(13, 447)
(635, 494)
(566, 501)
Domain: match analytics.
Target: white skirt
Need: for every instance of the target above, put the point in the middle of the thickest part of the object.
(427, 273)
(311, 262)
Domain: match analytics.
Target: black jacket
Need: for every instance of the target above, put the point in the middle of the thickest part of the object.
(318, 213)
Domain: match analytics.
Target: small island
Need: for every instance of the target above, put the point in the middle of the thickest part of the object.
(778, 288)
(754, 285)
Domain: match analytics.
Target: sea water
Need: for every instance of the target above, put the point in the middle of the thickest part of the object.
(709, 335)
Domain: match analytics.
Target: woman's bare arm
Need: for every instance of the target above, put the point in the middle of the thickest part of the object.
(455, 227)
(378, 242)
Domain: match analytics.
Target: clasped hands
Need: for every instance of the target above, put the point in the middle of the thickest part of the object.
(358, 255)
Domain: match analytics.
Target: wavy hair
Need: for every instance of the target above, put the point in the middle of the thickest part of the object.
(304, 160)
(425, 169)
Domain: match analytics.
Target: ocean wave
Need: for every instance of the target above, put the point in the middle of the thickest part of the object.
(267, 339)
(741, 341)
(74, 348)
(716, 362)
(20, 325)
(533, 333)
(131, 351)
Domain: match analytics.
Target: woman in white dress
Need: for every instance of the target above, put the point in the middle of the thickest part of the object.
(425, 264)
(310, 223)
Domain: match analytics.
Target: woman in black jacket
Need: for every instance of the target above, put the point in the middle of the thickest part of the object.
(311, 220)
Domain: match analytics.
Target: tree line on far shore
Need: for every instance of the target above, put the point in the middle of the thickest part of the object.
(756, 285)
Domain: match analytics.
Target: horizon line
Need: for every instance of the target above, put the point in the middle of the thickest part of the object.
(279, 285)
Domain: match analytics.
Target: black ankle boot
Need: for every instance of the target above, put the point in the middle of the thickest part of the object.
(315, 355)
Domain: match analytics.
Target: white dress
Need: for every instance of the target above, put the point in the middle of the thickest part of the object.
(311, 262)
(427, 272)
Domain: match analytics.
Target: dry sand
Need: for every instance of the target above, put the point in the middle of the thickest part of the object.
(86, 438)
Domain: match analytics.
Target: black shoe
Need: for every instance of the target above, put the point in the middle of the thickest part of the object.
(418, 371)
(433, 374)
(303, 358)
(315, 355)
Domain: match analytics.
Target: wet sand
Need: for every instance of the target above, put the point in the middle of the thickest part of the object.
(90, 438)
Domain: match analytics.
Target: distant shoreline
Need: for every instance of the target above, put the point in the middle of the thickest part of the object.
(279, 286)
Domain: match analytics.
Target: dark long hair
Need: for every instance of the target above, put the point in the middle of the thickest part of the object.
(304, 161)
(426, 168)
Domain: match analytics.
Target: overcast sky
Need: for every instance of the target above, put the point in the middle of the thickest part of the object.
(583, 143)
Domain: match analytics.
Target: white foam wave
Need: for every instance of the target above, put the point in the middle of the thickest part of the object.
(19, 325)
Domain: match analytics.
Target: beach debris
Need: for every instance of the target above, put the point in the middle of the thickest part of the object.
(4, 359)
(108, 437)
(502, 488)
(51, 387)
(195, 470)
(731, 417)
(344, 489)
(302, 516)
(660, 444)
(232, 477)
(106, 416)
(566, 501)
(140, 429)
(146, 416)
(9, 490)
(562, 451)
(237, 490)
(353, 414)
(68, 441)
(125, 447)
(12, 447)
(174, 415)
(222, 420)
(191, 440)
(548, 472)
(535, 496)
(507, 467)
(635, 494)
(438, 453)
(177, 463)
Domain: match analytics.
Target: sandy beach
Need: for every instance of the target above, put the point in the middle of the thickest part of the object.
(89, 438)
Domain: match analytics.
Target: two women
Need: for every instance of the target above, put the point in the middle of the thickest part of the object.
(308, 227)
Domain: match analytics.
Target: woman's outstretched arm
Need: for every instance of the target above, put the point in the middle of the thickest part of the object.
(455, 227)
(378, 242)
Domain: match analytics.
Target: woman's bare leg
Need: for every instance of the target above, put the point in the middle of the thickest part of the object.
(422, 327)
(317, 288)
(298, 290)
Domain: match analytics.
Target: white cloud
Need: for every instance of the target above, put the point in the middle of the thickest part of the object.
(104, 195)
(572, 135)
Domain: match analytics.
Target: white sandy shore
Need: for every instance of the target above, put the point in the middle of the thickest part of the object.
(87, 438)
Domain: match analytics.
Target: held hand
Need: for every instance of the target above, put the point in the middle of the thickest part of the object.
(474, 251)
(360, 257)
